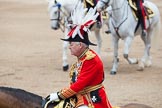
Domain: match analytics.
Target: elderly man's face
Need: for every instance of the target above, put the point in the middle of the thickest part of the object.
(75, 48)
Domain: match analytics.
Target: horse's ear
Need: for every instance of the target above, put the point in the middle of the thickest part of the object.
(55, 1)
(48, 1)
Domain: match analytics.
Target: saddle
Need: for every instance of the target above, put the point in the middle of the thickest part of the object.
(148, 10)
(67, 103)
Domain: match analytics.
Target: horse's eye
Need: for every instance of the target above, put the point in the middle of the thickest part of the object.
(55, 12)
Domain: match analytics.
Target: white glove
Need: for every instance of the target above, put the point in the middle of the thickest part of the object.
(54, 97)
(83, 106)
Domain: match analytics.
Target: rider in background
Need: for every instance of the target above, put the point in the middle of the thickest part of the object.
(141, 12)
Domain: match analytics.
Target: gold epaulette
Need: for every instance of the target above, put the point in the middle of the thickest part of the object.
(89, 55)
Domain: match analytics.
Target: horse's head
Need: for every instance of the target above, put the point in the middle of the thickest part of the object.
(54, 9)
(103, 4)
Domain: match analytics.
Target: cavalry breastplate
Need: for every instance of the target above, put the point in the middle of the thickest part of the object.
(76, 67)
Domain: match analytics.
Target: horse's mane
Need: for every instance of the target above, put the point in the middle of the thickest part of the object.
(22, 95)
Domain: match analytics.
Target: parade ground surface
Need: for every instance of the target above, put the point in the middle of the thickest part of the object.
(31, 57)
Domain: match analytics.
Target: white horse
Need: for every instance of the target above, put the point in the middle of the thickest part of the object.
(60, 11)
(123, 26)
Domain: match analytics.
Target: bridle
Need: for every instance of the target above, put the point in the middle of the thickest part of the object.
(61, 25)
(59, 19)
(123, 20)
(105, 3)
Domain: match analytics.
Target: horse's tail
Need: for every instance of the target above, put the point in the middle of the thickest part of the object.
(155, 39)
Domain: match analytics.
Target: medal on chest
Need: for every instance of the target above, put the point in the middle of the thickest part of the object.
(75, 71)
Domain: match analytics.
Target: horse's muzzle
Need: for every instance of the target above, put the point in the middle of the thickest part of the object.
(55, 28)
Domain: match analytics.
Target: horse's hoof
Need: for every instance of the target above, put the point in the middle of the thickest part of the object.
(141, 66)
(148, 64)
(113, 72)
(108, 31)
(140, 69)
(65, 68)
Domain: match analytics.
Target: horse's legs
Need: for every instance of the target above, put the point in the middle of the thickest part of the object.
(127, 44)
(99, 41)
(65, 48)
(115, 59)
(64, 57)
(146, 59)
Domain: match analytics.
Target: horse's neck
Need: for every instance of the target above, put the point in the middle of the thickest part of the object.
(119, 9)
(68, 5)
(13, 98)
(68, 8)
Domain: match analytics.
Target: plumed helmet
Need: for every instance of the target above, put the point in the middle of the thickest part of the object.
(82, 21)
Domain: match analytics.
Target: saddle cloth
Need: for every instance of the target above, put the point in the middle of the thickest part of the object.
(148, 11)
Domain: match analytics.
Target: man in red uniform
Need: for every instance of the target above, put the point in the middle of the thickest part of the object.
(86, 75)
(141, 12)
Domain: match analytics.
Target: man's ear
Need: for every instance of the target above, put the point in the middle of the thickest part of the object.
(80, 43)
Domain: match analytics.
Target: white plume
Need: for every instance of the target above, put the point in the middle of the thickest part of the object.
(83, 19)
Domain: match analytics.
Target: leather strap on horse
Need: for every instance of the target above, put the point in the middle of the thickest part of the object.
(90, 89)
(117, 28)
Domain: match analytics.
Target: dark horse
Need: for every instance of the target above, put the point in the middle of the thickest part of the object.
(18, 98)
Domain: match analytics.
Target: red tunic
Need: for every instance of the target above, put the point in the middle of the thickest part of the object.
(87, 72)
